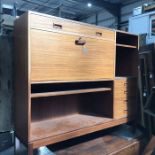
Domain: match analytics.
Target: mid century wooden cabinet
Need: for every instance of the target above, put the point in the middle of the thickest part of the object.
(71, 79)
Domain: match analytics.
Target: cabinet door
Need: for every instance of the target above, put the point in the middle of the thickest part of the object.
(66, 57)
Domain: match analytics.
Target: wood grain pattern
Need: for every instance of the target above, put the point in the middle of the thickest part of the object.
(63, 125)
(47, 23)
(77, 133)
(50, 61)
(48, 53)
(69, 92)
(77, 81)
(125, 97)
(103, 145)
(125, 87)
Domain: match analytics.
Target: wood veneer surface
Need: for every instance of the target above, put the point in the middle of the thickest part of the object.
(21, 76)
(55, 57)
(104, 145)
(58, 126)
(52, 23)
(69, 92)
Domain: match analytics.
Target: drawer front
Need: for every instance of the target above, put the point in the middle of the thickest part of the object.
(125, 103)
(120, 105)
(126, 82)
(123, 112)
(55, 56)
(125, 85)
(125, 97)
(120, 113)
(124, 109)
(125, 90)
(51, 23)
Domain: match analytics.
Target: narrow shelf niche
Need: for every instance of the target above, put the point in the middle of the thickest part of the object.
(126, 58)
(126, 39)
(57, 89)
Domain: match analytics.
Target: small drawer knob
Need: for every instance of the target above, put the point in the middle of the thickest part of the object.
(99, 34)
(57, 26)
(80, 42)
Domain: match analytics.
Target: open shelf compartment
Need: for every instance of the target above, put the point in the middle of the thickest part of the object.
(60, 89)
(126, 40)
(126, 62)
(57, 115)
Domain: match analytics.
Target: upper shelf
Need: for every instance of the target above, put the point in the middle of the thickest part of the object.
(75, 81)
(68, 92)
(126, 40)
(126, 46)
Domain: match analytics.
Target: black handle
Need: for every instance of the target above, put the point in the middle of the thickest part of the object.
(125, 92)
(57, 26)
(99, 34)
(80, 42)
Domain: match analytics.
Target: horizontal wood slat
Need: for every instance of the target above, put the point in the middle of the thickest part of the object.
(52, 23)
(69, 92)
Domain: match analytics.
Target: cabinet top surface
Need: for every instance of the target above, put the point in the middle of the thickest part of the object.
(73, 21)
(78, 22)
(68, 20)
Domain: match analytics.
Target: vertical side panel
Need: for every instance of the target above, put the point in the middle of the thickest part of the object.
(21, 60)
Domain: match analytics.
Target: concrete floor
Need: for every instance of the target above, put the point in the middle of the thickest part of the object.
(9, 151)
(21, 150)
(41, 151)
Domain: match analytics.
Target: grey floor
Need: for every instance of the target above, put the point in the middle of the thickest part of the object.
(21, 150)
(9, 151)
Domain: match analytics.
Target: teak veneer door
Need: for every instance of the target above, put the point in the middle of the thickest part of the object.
(67, 57)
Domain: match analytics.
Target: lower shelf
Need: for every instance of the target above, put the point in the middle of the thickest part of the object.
(55, 130)
(61, 125)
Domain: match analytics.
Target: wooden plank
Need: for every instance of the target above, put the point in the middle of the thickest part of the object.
(77, 81)
(52, 23)
(69, 92)
(77, 133)
(61, 125)
(69, 62)
(22, 89)
(104, 145)
(125, 97)
(126, 46)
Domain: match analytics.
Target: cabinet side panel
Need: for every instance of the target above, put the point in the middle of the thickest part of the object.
(22, 115)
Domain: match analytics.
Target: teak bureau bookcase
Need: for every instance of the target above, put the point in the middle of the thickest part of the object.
(71, 79)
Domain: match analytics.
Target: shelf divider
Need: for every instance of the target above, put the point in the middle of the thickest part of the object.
(69, 92)
(126, 46)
